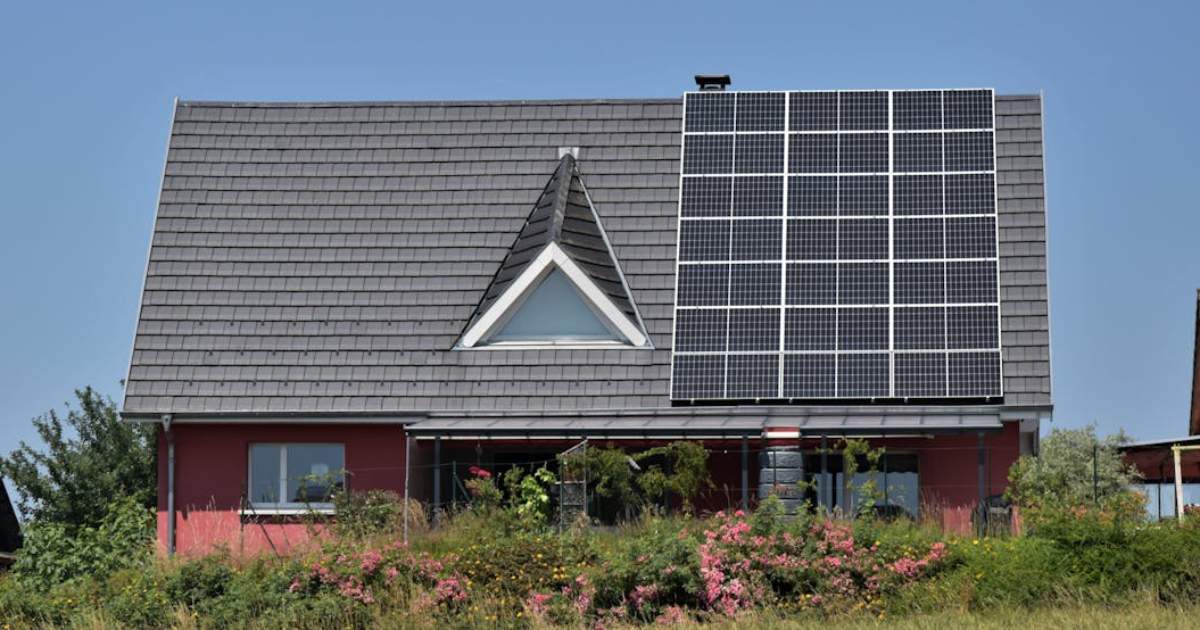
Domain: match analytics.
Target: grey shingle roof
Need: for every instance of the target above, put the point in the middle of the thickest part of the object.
(563, 214)
(325, 257)
(1024, 299)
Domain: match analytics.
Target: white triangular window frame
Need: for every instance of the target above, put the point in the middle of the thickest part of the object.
(553, 257)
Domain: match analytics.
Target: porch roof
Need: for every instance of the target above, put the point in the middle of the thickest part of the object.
(712, 422)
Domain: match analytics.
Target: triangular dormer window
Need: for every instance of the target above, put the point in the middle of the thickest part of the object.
(554, 310)
(560, 284)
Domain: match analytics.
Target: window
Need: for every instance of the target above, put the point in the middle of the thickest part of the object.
(896, 483)
(555, 302)
(295, 475)
(554, 311)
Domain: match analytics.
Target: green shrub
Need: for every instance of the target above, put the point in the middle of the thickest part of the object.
(51, 554)
(529, 495)
(490, 570)
(514, 565)
(135, 597)
(197, 582)
(659, 554)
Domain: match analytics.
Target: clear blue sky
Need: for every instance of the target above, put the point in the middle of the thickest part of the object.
(87, 90)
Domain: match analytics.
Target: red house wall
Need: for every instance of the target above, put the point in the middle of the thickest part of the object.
(211, 463)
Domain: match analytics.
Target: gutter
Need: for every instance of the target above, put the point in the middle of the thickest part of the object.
(413, 416)
(166, 425)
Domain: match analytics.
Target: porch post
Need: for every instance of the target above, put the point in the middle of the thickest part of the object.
(982, 496)
(745, 473)
(1178, 483)
(437, 476)
(886, 499)
(824, 497)
(1158, 486)
(407, 474)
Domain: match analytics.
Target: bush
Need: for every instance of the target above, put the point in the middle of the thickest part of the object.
(656, 563)
(52, 555)
(361, 515)
(1075, 467)
(490, 570)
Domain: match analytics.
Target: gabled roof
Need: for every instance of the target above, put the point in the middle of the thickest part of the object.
(563, 216)
(323, 258)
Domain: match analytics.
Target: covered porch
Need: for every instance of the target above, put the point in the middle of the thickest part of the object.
(1170, 472)
(935, 463)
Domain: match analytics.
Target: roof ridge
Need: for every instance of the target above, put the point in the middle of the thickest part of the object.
(563, 174)
(656, 100)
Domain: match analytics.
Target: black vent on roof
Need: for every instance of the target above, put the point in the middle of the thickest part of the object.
(716, 82)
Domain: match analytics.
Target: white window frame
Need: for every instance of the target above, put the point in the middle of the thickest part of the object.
(285, 507)
(510, 301)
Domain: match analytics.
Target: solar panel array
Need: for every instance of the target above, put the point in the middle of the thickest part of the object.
(837, 245)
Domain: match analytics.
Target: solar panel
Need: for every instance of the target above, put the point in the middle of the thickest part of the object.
(837, 245)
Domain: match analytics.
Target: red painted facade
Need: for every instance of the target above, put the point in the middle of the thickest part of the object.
(212, 463)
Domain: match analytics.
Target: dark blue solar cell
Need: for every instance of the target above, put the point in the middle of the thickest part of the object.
(809, 375)
(753, 376)
(760, 111)
(813, 111)
(699, 376)
(921, 375)
(709, 112)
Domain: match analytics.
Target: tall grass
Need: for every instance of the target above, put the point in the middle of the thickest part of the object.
(1077, 571)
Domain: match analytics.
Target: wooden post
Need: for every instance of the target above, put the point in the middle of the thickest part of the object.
(1175, 453)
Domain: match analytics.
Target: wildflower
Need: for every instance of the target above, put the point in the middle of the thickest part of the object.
(370, 561)
(480, 473)
(450, 590)
(672, 615)
(643, 595)
(535, 604)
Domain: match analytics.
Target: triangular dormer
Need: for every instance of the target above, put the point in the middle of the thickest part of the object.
(560, 283)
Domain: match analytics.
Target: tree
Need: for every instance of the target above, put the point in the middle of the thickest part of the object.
(77, 478)
(1062, 473)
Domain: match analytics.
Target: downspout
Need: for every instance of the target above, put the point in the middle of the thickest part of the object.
(166, 425)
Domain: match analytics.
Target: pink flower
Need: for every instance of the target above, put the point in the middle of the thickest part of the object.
(535, 604)
(479, 472)
(370, 561)
(450, 590)
(643, 595)
(580, 594)
(671, 616)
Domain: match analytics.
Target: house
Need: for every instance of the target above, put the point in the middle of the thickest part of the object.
(10, 529)
(1174, 461)
(365, 293)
